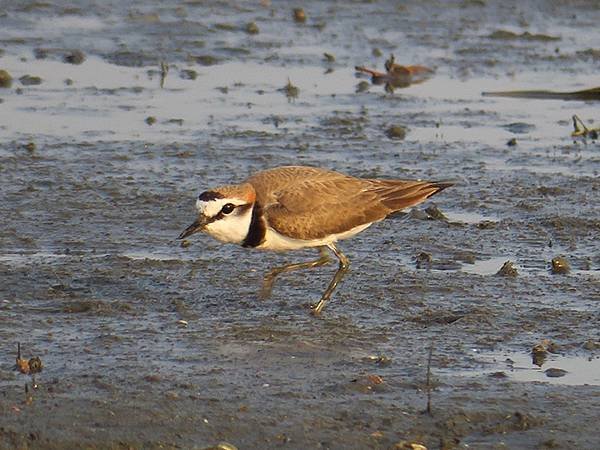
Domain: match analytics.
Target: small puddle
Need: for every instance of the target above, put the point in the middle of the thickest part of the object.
(573, 370)
(486, 267)
(151, 256)
(468, 217)
(24, 258)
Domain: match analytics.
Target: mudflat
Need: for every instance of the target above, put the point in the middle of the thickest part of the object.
(115, 115)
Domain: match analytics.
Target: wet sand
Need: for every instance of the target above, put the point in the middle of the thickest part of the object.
(146, 344)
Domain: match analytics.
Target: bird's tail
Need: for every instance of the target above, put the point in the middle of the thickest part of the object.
(400, 194)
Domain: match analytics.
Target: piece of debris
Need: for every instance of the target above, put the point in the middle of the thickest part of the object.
(512, 142)
(508, 269)
(396, 132)
(538, 356)
(418, 214)
(380, 360)
(546, 345)
(376, 434)
(188, 74)
(299, 15)
(204, 60)
(367, 384)
(540, 351)
(226, 446)
(424, 260)
(23, 366)
(74, 57)
(584, 95)
(526, 35)
(290, 91)
(252, 28)
(362, 86)
(554, 372)
(499, 375)
(407, 445)
(29, 367)
(486, 225)
(329, 57)
(590, 344)
(221, 446)
(35, 365)
(519, 127)
(375, 379)
(30, 80)
(560, 265)
(164, 70)
(5, 79)
(583, 131)
(40, 53)
(435, 213)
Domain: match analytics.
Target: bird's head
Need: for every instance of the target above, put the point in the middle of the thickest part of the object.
(225, 213)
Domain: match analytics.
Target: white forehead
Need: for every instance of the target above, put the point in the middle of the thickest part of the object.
(211, 208)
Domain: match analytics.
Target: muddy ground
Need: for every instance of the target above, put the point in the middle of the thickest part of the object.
(146, 344)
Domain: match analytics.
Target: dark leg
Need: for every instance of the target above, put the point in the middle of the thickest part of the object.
(342, 269)
(269, 278)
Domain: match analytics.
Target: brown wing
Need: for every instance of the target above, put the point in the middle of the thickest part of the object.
(315, 209)
(310, 203)
(268, 184)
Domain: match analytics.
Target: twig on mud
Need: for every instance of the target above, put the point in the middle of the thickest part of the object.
(164, 69)
(428, 385)
(22, 365)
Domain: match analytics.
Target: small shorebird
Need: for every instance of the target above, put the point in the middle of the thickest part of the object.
(296, 207)
(397, 75)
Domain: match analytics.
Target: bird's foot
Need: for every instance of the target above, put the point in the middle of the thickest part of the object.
(316, 308)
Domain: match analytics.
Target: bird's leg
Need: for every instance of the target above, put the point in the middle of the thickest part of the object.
(269, 278)
(342, 269)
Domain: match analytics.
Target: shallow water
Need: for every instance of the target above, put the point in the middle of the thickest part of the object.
(167, 346)
(579, 370)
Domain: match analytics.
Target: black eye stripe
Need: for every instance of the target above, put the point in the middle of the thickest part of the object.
(243, 208)
(239, 208)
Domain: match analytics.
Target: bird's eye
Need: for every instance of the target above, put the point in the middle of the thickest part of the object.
(228, 208)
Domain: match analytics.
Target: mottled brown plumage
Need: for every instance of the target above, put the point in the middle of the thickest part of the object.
(309, 203)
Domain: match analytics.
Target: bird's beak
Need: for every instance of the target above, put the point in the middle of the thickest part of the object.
(197, 226)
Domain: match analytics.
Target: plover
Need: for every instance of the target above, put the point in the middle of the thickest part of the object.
(297, 207)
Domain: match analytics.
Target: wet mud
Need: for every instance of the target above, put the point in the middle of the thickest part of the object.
(114, 115)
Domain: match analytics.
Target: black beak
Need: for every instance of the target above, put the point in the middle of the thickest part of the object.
(198, 225)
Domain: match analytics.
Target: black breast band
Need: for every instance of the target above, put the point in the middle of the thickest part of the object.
(257, 229)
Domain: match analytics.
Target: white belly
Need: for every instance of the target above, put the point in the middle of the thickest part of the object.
(278, 242)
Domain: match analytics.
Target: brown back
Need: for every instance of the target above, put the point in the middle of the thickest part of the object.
(311, 203)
